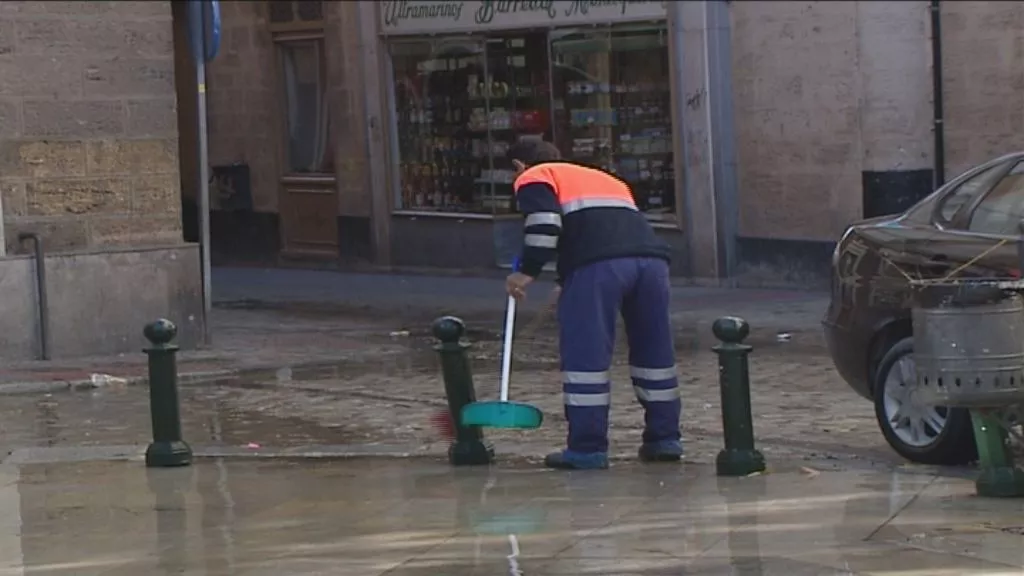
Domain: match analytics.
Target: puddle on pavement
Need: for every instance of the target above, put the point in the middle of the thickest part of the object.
(422, 518)
(121, 416)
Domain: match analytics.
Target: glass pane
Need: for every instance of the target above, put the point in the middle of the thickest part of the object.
(440, 106)
(642, 96)
(613, 107)
(1001, 211)
(517, 97)
(967, 191)
(310, 148)
(310, 10)
(585, 118)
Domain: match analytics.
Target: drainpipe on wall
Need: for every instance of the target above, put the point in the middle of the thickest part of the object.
(3, 241)
(938, 125)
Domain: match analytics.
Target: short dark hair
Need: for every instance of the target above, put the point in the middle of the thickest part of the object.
(532, 152)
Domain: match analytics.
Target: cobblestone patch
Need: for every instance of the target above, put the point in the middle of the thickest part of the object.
(800, 409)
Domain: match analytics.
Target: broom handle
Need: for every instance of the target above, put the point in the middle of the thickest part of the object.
(506, 350)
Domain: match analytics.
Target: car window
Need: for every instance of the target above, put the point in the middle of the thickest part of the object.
(1001, 210)
(967, 190)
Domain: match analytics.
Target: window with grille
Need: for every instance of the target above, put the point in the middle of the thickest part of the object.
(287, 15)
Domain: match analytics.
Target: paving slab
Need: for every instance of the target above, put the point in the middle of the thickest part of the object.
(367, 517)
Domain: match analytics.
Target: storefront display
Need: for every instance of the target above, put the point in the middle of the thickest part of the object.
(613, 109)
(600, 93)
(460, 104)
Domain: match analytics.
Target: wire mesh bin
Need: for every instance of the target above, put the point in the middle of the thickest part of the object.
(969, 343)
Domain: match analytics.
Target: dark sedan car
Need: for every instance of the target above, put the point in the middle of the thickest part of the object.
(969, 227)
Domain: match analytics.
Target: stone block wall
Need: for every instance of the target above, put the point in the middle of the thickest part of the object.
(983, 67)
(88, 126)
(834, 105)
(246, 105)
(244, 110)
(797, 106)
(345, 77)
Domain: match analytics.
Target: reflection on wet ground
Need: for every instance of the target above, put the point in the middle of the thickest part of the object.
(420, 518)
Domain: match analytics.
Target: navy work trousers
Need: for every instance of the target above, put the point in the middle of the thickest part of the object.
(591, 300)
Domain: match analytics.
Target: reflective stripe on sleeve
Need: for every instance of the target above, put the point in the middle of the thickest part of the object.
(542, 218)
(585, 377)
(647, 395)
(541, 241)
(587, 399)
(652, 374)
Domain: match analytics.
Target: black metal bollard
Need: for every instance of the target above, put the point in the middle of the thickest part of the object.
(739, 458)
(167, 449)
(469, 448)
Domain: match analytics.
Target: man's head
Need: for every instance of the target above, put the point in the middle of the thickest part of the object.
(526, 153)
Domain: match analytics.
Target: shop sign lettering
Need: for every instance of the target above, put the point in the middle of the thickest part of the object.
(429, 17)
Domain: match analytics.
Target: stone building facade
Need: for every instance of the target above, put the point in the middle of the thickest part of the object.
(793, 120)
(89, 161)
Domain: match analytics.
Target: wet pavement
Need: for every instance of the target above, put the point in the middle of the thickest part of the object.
(367, 517)
(799, 412)
(266, 320)
(345, 369)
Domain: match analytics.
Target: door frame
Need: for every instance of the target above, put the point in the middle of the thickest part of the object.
(290, 184)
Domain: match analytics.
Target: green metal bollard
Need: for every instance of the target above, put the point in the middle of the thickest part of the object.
(739, 458)
(469, 448)
(999, 477)
(167, 449)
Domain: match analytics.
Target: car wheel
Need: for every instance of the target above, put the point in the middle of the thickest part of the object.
(919, 433)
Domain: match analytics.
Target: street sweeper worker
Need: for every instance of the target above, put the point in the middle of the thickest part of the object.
(609, 262)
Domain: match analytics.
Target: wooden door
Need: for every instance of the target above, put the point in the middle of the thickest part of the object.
(309, 222)
(308, 199)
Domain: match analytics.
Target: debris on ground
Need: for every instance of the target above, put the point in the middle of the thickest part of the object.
(106, 380)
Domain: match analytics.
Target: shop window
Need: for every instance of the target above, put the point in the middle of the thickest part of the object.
(304, 78)
(461, 102)
(601, 94)
(612, 107)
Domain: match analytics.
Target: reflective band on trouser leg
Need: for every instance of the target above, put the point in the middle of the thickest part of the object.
(587, 396)
(657, 389)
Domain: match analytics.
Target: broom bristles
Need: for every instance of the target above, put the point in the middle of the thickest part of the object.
(442, 421)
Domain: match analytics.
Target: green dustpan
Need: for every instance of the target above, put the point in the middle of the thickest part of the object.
(503, 414)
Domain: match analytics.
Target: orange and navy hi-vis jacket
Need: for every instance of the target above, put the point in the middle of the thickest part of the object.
(582, 215)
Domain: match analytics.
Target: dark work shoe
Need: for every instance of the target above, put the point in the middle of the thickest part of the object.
(667, 451)
(569, 460)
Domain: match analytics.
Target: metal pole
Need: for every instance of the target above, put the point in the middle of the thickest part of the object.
(41, 290)
(938, 124)
(3, 242)
(204, 189)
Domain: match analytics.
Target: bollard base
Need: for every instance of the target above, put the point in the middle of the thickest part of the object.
(739, 462)
(1000, 482)
(168, 454)
(471, 453)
